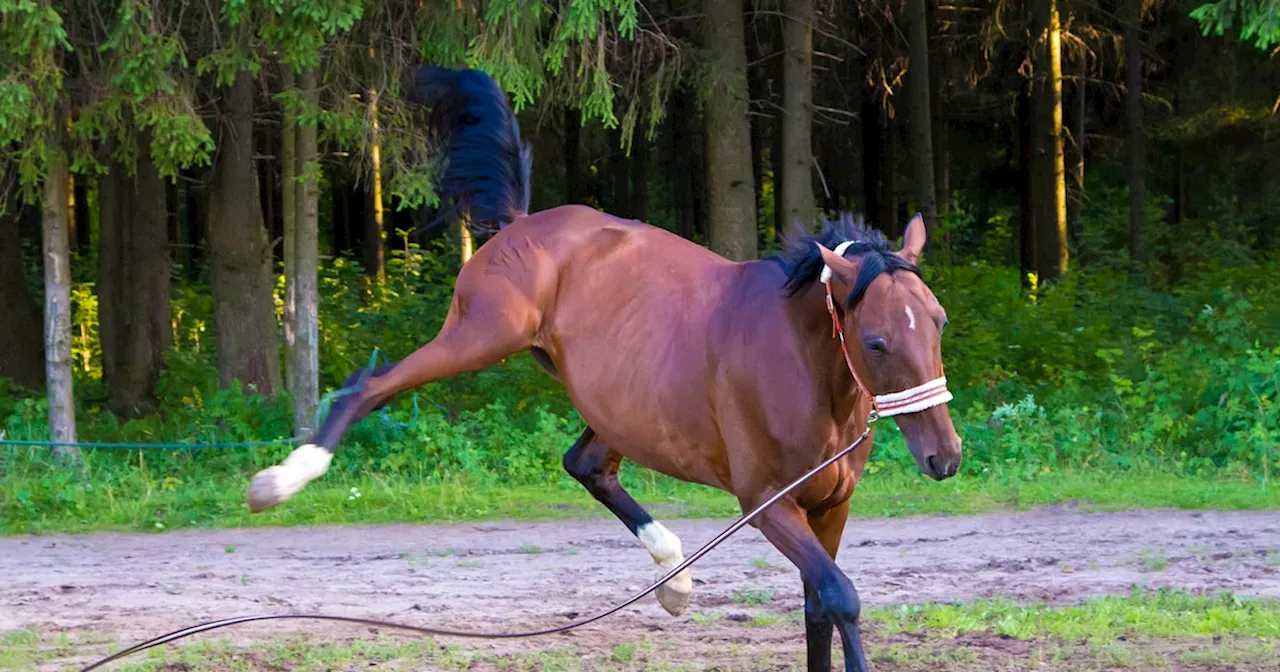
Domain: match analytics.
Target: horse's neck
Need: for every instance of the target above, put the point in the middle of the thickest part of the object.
(830, 369)
(807, 326)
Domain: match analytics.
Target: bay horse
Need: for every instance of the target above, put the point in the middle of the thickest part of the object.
(722, 373)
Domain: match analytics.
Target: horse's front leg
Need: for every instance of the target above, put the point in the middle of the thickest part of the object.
(788, 528)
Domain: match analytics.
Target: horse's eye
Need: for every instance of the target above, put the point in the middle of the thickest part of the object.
(877, 345)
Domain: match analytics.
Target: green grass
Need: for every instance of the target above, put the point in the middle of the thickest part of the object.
(1161, 613)
(32, 502)
(1143, 630)
(753, 597)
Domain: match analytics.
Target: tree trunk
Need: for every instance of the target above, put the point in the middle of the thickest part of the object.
(1048, 174)
(57, 303)
(732, 208)
(573, 155)
(306, 254)
(758, 89)
(681, 186)
(197, 224)
(795, 187)
(375, 254)
(243, 300)
(1077, 217)
(1183, 59)
(375, 238)
(1137, 135)
(289, 209)
(640, 176)
(941, 160)
(890, 215)
(173, 218)
(21, 349)
(620, 173)
(879, 167)
(775, 165)
(872, 150)
(689, 185)
(920, 116)
(80, 213)
(74, 222)
(941, 147)
(267, 178)
(338, 215)
(1027, 220)
(466, 241)
(133, 284)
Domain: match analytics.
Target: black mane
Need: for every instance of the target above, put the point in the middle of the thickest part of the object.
(802, 261)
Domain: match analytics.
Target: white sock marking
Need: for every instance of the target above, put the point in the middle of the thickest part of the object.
(661, 544)
(665, 549)
(911, 318)
(276, 484)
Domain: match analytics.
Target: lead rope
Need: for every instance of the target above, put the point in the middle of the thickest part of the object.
(214, 625)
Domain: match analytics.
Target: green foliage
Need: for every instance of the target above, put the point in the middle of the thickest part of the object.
(299, 29)
(146, 65)
(32, 41)
(1259, 20)
(1101, 370)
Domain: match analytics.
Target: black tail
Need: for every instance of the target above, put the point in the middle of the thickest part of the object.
(487, 174)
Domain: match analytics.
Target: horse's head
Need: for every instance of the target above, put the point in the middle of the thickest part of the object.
(893, 326)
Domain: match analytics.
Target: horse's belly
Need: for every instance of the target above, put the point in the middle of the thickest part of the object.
(665, 429)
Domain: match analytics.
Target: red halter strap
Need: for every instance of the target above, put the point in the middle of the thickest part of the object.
(838, 332)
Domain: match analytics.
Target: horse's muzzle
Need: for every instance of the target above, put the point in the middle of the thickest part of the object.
(940, 469)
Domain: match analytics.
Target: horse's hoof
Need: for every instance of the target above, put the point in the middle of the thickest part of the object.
(267, 489)
(674, 594)
(276, 484)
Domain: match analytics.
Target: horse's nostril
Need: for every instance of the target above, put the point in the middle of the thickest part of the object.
(933, 466)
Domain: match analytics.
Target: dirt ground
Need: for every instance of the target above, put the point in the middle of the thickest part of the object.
(506, 576)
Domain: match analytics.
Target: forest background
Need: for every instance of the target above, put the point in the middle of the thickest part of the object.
(212, 213)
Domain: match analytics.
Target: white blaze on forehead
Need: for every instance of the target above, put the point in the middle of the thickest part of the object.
(911, 318)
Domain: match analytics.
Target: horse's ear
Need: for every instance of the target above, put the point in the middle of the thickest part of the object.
(913, 240)
(842, 270)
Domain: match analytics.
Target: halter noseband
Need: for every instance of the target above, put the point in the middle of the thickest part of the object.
(913, 400)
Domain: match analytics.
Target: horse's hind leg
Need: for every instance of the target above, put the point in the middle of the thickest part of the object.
(482, 327)
(595, 466)
(787, 527)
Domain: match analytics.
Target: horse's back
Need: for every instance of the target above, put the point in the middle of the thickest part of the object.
(587, 233)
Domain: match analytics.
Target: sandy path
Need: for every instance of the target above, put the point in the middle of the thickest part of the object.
(508, 575)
